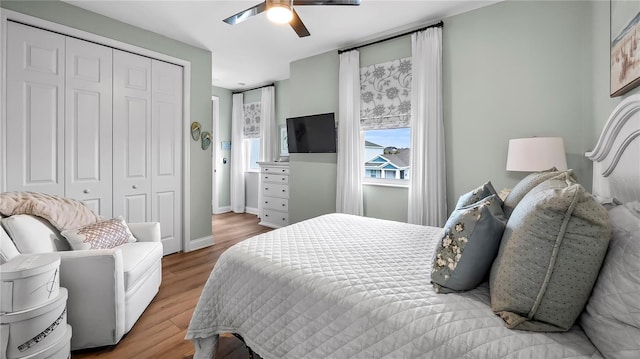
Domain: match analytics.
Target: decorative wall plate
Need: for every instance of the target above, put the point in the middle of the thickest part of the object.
(195, 131)
(206, 140)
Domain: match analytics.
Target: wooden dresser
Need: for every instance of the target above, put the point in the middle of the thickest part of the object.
(273, 196)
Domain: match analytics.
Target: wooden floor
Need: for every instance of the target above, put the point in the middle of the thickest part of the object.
(160, 332)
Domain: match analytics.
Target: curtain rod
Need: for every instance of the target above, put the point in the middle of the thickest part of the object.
(439, 24)
(255, 88)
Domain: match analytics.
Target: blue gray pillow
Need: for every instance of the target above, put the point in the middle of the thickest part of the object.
(470, 243)
(477, 194)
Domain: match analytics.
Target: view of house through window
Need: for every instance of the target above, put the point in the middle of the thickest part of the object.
(387, 154)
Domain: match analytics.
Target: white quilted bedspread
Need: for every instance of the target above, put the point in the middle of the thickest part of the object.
(341, 286)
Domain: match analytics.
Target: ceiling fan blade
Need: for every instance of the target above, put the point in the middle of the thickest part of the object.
(244, 15)
(325, 2)
(298, 26)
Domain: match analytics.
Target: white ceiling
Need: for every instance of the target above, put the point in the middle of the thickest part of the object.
(256, 52)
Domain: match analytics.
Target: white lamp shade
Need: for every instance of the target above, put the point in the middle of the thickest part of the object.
(536, 154)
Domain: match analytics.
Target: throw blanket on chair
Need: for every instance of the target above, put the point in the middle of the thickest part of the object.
(63, 213)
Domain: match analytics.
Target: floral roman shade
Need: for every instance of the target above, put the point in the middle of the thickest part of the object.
(386, 95)
(251, 120)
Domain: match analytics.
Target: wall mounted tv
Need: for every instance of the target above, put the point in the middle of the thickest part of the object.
(312, 134)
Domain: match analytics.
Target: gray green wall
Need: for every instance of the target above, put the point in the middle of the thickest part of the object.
(65, 14)
(512, 69)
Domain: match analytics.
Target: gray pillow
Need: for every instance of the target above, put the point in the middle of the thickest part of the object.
(469, 246)
(477, 194)
(524, 186)
(550, 256)
(612, 316)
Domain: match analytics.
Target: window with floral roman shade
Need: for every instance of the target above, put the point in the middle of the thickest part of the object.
(385, 100)
(251, 120)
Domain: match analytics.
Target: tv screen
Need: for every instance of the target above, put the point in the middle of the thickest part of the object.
(312, 134)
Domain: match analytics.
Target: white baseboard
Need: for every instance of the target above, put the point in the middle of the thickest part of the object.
(200, 243)
(221, 210)
(251, 210)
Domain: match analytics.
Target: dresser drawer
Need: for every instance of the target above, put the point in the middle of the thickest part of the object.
(276, 170)
(275, 190)
(275, 217)
(275, 178)
(280, 204)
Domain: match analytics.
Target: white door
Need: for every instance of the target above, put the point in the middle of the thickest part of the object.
(35, 110)
(88, 125)
(166, 162)
(215, 111)
(131, 136)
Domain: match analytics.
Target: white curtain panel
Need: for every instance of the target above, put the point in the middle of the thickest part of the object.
(350, 137)
(268, 131)
(238, 157)
(427, 182)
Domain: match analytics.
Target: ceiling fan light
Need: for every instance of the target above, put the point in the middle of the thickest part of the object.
(279, 13)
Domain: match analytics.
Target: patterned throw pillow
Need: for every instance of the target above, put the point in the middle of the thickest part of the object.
(477, 194)
(100, 235)
(549, 257)
(470, 244)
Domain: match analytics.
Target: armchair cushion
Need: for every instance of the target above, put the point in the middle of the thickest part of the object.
(33, 234)
(100, 235)
(8, 250)
(137, 260)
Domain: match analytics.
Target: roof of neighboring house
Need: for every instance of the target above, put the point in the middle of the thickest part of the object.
(371, 144)
(402, 159)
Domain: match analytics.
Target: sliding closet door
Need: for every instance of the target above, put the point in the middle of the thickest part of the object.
(131, 136)
(35, 110)
(88, 108)
(166, 154)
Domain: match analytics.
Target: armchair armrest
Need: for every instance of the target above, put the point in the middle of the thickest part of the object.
(145, 231)
(95, 306)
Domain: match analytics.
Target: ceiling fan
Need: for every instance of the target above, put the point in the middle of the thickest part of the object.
(282, 11)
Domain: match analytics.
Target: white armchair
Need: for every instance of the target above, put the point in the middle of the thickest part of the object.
(108, 288)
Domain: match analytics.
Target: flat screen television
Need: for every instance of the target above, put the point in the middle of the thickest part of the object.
(312, 134)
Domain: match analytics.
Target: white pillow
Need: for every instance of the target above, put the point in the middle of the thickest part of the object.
(612, 316)
(100, 235)
(33, 234)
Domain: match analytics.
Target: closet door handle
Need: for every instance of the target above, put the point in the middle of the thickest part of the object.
(135, 186)
(86, 191)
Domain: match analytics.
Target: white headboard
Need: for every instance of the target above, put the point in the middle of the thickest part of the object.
(616, 158)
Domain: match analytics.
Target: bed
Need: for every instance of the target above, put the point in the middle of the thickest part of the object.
(341, 286)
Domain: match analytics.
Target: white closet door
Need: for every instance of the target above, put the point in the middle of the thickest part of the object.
(166, 153)
(131, 136)
(88, 124)
(35, 110)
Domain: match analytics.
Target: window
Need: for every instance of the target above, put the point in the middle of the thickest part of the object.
(385, 112)
(253, 151)
(387, 155)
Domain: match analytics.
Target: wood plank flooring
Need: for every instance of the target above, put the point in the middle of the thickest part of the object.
(160, 331)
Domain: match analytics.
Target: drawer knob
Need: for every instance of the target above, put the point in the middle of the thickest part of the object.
(266, 177)
(266, 188)
(266, 215)
(266, 202)
(283, 190)
(86, 191)
(135, 186)
(283, 205)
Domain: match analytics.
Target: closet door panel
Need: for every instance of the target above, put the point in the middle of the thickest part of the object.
(35, 110)
(166, 154)
(132, 136)
(88, 125)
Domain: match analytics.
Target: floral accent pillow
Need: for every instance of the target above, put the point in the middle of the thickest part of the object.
(100, 235)
(477, 194)
(470, 243)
